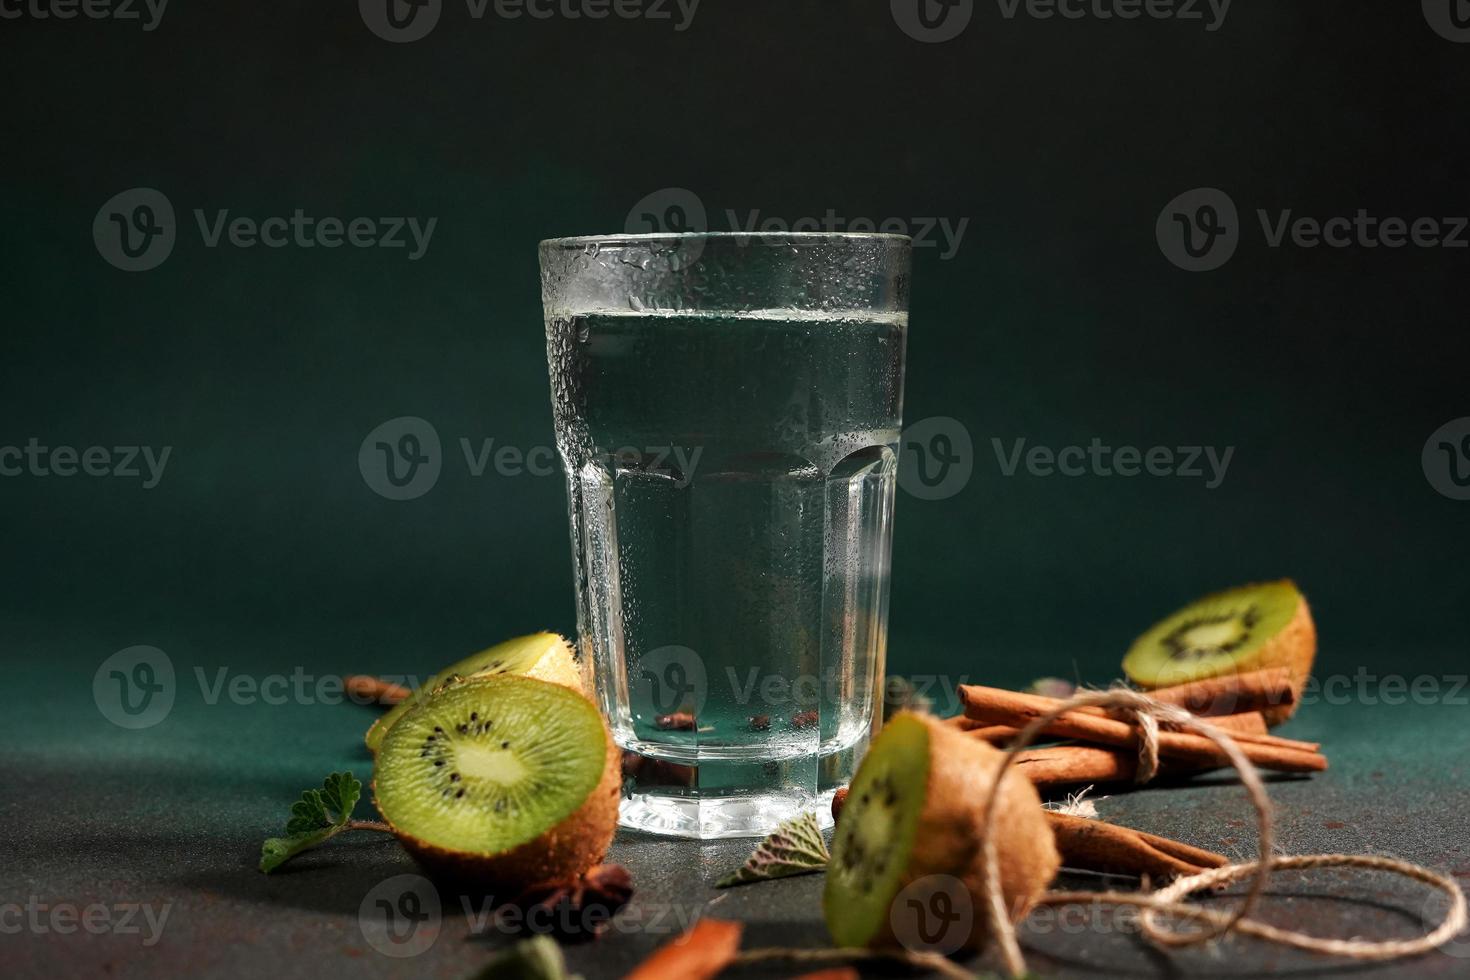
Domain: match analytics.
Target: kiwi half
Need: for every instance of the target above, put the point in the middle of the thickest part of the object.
(544, 655)
(915, 811)
(502, 780)
(1252, 627)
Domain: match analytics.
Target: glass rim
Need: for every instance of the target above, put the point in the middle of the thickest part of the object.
(638, 238)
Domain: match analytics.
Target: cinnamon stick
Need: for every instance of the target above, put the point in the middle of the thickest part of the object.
(999, 707)
(363, 687)
(1246, 723)
(1242, 728)
(997, 735)
(1232, 694)
(1067, 765)
(1096, 845)
(697, 954)
(1251, 727)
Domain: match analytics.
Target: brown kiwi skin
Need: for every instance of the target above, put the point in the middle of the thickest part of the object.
(1294, 648)
(571, 848)
(948, 841)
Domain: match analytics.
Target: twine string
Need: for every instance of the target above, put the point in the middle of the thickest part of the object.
(1146, 713)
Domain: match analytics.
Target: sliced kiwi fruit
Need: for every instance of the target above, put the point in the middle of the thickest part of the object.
(1252, 627)
(913, 817)
(543, 655)
(503, 780)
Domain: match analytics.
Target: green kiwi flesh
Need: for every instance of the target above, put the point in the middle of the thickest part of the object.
(875, 838)
(516, 656)
(1222, 633)
(491, 764)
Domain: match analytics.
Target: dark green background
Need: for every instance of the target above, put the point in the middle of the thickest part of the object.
(1058, 321)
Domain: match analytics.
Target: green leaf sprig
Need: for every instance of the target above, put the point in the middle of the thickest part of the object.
(316, 818)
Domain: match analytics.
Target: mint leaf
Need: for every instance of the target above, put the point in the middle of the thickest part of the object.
(326, 807)
(317, 817)
(794, 848)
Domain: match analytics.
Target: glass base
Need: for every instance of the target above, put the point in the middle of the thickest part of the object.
(711, 819)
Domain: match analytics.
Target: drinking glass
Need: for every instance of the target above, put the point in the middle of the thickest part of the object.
(727, 411)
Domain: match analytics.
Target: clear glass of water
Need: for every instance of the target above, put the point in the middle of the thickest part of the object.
(727, 410)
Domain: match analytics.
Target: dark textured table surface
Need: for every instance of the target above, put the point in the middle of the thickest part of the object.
(132, 853)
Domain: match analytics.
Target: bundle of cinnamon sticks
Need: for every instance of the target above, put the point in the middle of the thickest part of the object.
(1101, 747)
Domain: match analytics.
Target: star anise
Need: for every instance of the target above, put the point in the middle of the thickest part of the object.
(574, 909)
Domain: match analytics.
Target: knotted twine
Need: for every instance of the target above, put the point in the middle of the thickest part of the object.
(1146, 713)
